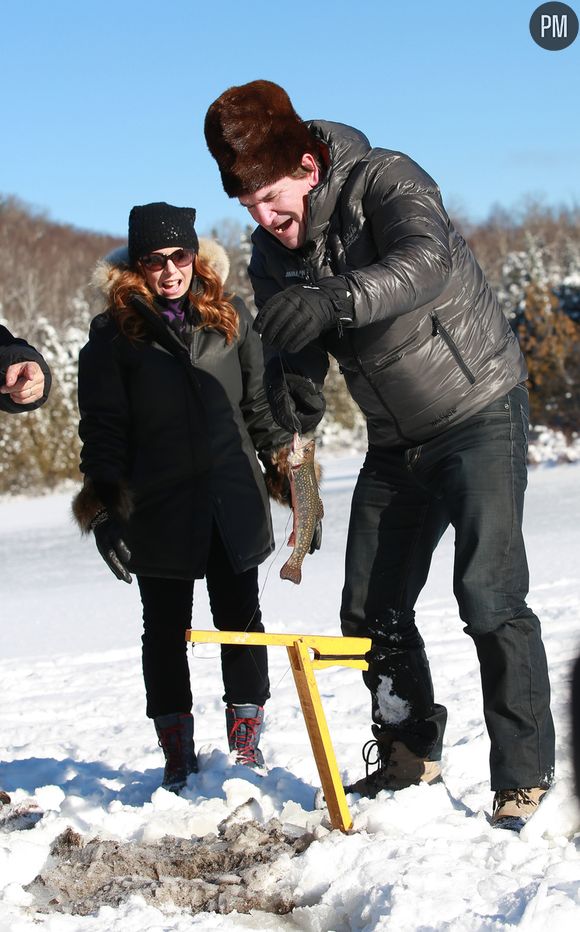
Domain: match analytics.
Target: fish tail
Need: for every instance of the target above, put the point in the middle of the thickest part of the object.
(291, 571)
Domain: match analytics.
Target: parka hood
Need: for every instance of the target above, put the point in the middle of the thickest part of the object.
(108, 269)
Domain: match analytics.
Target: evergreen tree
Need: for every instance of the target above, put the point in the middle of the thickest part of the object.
(550, 341)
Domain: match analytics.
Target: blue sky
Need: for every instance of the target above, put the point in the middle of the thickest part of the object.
(103, 102)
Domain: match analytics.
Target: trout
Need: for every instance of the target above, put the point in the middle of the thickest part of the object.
(306, 506)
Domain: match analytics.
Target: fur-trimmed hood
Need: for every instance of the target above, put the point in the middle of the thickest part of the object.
(117, 261)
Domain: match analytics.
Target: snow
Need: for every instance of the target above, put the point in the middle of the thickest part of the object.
(393, 709)
(74, 737)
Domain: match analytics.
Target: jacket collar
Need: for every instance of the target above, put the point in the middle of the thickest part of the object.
(346, 147)
(158, 328)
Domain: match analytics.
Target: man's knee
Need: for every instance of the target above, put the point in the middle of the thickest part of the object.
(393, 629)
(483, 622)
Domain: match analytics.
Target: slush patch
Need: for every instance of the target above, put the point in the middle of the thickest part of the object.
(241, 869)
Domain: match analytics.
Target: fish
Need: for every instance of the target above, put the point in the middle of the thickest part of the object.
(306, 506)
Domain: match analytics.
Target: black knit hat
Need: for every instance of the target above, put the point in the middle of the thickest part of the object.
(256, 136)
(156, 226)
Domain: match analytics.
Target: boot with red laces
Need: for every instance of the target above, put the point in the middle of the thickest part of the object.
(244, 725)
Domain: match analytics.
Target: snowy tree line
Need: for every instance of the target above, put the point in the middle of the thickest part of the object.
(532, 258)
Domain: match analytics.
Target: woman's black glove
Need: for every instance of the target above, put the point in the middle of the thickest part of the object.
(111, 545)
(296, 403)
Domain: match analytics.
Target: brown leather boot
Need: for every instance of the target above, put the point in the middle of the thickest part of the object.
(513, 808)
(396, 768)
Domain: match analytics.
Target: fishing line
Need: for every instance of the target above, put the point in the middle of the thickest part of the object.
(286, 671)
(292, 408)
(260, 595)
(297, 430)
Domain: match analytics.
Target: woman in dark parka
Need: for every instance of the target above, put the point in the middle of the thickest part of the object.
(172, 414)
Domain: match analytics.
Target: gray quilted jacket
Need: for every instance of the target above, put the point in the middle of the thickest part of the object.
(429, 345)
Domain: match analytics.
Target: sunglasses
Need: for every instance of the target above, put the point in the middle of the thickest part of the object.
(156, 261)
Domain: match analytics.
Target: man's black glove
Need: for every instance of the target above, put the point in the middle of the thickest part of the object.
(316, 537)
(296, 316)
(296, 403)
(111, 545)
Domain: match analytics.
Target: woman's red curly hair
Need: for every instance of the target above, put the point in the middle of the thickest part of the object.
(212, 305)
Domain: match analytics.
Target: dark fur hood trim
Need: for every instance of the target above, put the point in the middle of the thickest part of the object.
(109, 269)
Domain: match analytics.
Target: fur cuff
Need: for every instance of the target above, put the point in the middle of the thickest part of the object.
(276, 476)
(96, 496)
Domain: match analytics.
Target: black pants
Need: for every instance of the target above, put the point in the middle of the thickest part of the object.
(167, 612)
(472, 477)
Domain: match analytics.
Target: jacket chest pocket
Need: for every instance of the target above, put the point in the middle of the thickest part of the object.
(438, 330)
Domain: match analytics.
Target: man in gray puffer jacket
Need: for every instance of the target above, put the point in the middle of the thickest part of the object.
(355, 256)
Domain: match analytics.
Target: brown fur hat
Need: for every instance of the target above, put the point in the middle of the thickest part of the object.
(256, 136)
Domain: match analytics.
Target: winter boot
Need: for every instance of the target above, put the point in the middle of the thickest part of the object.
(4, 798)
(175, 733)
(396, 768)
(513, 808)
(244, 726)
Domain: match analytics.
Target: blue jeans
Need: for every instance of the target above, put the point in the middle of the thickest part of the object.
(473, 477)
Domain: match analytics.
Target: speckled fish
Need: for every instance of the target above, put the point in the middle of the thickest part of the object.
(306, 505)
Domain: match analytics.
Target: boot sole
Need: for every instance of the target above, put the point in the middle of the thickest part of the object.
(320, 801)
(510, 823)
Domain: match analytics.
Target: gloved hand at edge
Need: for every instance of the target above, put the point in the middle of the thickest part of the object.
(316, 537)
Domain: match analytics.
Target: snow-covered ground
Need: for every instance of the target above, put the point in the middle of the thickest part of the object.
(73, 735)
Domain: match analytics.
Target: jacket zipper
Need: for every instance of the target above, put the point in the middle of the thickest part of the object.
(193, 354)
(439, 329)
(390, 361)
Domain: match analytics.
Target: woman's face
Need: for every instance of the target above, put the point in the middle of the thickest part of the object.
(172, 281)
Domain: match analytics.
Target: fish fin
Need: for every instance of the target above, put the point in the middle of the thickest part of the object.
(291, 539)
(291, 572)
